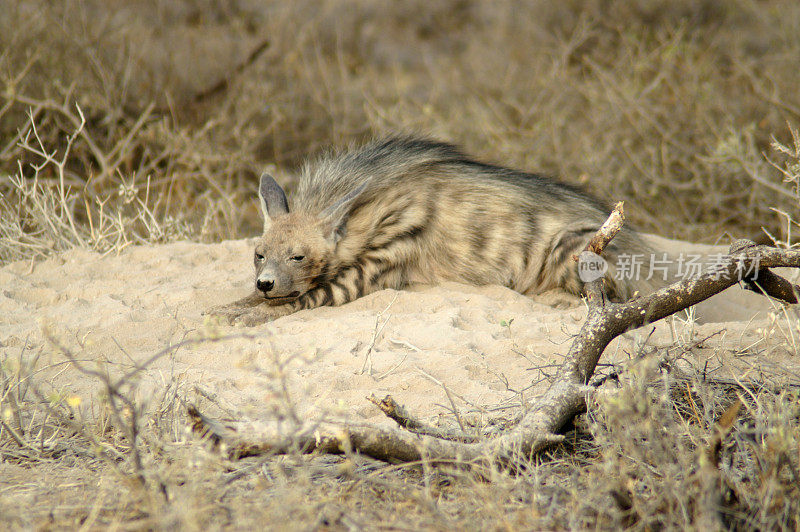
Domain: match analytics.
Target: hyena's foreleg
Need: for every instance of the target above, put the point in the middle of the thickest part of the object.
(235, 308)
(353, 282)
(249, 310)
(255, 298)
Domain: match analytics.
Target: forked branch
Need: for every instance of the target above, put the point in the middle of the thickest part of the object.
(563, 400)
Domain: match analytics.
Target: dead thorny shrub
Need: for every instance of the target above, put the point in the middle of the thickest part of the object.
(123, 451)
(632, 461)
(652, 436)
(48, 214)
(129, 458)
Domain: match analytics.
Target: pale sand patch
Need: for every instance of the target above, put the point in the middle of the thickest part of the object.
(124, 308)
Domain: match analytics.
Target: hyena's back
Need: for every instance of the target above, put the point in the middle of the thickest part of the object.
(427, 213)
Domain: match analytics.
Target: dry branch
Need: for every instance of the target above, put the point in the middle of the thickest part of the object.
(402, 417)
(607, 231)
(564, 399)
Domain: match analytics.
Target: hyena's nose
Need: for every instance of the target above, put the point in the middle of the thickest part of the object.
(264, 286)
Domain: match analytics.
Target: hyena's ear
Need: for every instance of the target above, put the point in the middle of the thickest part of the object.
(334, 217)
(273, 199)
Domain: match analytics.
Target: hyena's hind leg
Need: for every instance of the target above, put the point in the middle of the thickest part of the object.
(559, 273)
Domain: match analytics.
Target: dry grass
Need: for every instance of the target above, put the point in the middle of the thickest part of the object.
(115, 128)
(638, 459)
(668, 105)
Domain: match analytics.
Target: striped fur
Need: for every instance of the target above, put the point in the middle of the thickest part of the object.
(409, 210)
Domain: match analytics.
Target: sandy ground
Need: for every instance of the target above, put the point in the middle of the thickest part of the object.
(125, 308)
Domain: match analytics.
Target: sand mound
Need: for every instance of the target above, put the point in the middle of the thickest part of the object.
(490, 346)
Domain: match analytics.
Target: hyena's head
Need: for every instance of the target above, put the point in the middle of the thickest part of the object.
(295, 251)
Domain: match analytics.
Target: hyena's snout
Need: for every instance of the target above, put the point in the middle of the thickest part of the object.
(265, 285)
(266, 279)
(274, 284)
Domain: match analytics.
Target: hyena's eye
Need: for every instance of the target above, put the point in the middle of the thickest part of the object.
(259, 257)
(297, 258)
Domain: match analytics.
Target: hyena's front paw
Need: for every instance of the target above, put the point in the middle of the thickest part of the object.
(253, 316)
(262, 314)
(246, 316)
(226, 313)
(229, 312)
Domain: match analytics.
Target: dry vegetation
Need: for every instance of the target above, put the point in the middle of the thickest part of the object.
(666, 104)
(127, 122)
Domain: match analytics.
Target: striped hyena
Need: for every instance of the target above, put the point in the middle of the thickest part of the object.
(409, 210)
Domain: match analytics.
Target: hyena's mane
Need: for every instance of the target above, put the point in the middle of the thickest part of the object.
(379, 164)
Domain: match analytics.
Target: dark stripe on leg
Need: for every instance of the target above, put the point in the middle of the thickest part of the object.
(327, 295)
